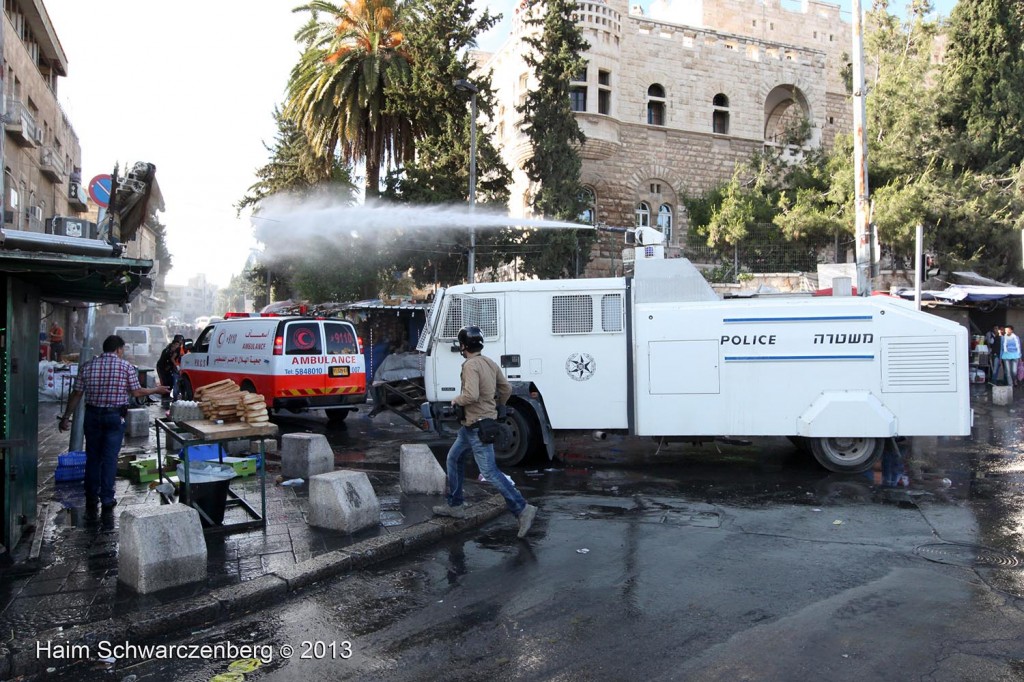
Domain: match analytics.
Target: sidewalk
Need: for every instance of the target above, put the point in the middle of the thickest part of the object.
(70, 591)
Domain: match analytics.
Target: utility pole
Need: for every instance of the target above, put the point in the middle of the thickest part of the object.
(465, 86)
(860, 160)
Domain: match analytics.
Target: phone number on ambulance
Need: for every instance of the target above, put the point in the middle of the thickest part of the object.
(304, 370)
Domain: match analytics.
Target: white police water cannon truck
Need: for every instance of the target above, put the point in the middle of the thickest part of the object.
(660, 354)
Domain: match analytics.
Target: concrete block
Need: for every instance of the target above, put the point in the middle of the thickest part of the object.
(137, 423)
(304, 455)
(269, 446)
(1002, 395)
(343, 500)
(237, 447)
(419, 471)
(161, 546)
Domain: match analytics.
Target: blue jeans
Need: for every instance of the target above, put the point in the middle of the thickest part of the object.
(104, 432)
(468, 441)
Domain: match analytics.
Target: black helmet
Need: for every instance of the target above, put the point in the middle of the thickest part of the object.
(472, 339)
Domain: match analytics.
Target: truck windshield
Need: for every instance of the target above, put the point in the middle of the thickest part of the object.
(134, 335)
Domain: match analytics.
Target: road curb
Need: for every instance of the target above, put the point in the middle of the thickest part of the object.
(22, 657)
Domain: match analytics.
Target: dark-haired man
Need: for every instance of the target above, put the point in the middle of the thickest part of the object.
(484, 387)
(107, 381)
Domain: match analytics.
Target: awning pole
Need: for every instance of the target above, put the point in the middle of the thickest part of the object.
(77, 427)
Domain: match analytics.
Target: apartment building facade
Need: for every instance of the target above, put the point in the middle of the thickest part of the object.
(670, 107)
(42, 153)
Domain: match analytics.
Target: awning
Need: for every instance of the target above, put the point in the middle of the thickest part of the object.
(71, 279)
(966, 293)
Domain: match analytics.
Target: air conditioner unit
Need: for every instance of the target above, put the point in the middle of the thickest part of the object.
(74, 227)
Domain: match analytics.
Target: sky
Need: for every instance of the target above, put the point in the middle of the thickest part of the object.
(191, 87)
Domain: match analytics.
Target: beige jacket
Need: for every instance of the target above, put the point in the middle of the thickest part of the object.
(484, 387)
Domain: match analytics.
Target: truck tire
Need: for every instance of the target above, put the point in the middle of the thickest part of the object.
(847, 455)
(518, 444)
(185, 389)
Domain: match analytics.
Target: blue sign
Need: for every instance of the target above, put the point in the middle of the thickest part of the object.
(99, 190)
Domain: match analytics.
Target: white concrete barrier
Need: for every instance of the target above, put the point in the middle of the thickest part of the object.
(137, 422)
(304, 455)
(1002, 395)
(419, 472)
(160, 546)
(343, 500)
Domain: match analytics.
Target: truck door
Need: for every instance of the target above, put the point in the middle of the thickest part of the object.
(445, 362)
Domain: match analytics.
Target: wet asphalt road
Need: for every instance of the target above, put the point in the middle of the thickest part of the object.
(719, 562)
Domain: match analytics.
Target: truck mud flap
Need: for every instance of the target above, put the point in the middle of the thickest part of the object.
(546, 433)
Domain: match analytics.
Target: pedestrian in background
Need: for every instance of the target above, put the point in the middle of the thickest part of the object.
(484, 387)
(107, 381)
(1010, 355)
(994, 339)
(56, 341)
(168, 367)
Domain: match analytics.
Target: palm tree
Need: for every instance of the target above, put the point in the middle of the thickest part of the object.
(336, 91)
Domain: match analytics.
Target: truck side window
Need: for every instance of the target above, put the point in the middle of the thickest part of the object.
(341, 340)
(572, 314)
(202, 344)
(303, 338)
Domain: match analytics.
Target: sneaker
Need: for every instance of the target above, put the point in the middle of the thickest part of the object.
(526, 519)
(448, 510)
(92, 511)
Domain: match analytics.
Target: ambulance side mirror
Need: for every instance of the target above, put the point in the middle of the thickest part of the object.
(188, 344)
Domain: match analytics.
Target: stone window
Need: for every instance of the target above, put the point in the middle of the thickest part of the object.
(588, 216)
(578, 98)
(643, 214)
(656, 105)
(604, 92)
(665, 221)
(720, 115)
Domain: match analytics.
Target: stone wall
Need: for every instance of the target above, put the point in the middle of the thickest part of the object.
(752, 63)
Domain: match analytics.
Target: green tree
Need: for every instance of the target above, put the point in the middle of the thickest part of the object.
(555, 55)
(336, 91)
(982, 103)
(442, 32)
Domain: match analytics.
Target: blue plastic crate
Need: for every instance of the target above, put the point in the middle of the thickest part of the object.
(74, 458)
(69, 473)
(204, 453)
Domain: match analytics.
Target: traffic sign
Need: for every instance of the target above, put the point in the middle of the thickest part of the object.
(99, 190)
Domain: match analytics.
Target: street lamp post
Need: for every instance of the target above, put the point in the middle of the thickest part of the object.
(465, 86)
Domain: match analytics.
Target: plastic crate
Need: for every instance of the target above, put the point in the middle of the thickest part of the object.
(74, 458)
(243, 466)
(69, 473)
(203, 453)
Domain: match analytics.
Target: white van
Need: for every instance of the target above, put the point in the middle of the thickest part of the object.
(138, 346)
(296, 363)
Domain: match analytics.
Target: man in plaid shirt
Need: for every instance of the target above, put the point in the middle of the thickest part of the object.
(107, 382)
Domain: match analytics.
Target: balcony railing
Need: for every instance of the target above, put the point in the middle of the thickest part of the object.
(51, 164)
(21, 124)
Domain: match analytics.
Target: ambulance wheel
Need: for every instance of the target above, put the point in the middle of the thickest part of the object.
(336, 416)
(847, 455)
(248, 387)
(185, 389)
(518, 444)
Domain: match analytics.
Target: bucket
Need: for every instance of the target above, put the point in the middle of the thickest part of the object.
(209, 482)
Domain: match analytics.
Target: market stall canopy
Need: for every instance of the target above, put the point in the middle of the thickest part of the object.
(72, 270)
(974, 288)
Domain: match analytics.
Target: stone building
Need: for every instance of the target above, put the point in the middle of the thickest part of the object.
(671, 105)
(42, 155)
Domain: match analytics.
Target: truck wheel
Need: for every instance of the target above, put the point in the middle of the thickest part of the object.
(847, 455)
(185, 389)
(518, 444)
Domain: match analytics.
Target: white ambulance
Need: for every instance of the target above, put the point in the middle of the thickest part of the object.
(296, 363)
